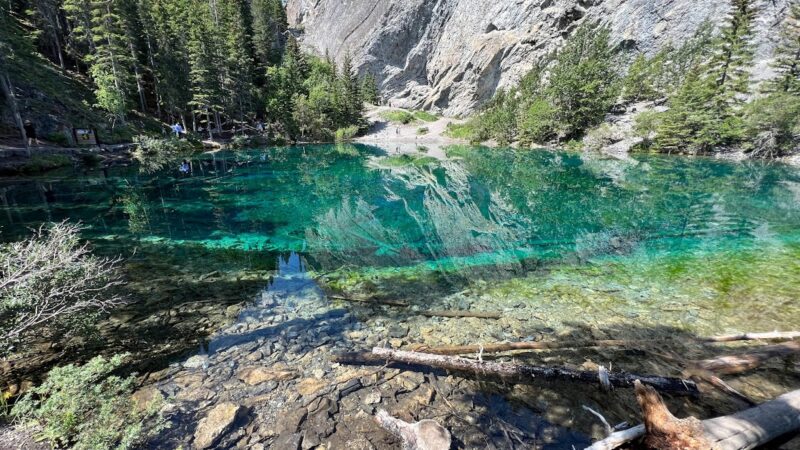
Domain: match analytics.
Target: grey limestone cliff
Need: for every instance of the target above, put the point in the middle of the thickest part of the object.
(452, 55)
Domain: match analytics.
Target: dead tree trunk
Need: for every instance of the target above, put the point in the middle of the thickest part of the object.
(422, 435)
(519, 373)
(744, 430)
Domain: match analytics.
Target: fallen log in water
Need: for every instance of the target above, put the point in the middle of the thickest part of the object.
(546, 345)
(744, 430)
(462, 313)
(517, 373)
(422, 435)
(731, 364)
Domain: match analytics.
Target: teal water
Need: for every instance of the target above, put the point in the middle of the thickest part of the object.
(727, 231)
(358, 206)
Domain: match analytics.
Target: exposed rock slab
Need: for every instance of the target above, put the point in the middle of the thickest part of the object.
(219, 421)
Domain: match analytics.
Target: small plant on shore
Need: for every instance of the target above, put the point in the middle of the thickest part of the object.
(422, 130)
(52, 281)
(43, 163)
(346, 134)
(88, 408)
(153, 154)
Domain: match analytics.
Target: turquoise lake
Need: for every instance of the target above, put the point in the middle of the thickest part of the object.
(695, 243)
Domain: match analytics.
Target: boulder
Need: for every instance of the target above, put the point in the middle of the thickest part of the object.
(216, 424)
(257, 375)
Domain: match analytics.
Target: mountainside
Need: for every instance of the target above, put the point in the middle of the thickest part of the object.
(453, 55)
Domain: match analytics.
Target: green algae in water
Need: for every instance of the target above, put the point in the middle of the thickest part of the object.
(719, 238)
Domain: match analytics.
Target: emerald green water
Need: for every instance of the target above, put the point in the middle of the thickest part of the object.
(695, 242)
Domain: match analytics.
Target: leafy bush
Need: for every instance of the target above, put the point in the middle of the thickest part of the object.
(773, 124)
(398, 116)
(88, 408)
(43, 163)
(422, 130)
(240, 141)
(50, 280)
(425, 116)
(346, 133)
(537, 124)
(153, 154)
(646, 125)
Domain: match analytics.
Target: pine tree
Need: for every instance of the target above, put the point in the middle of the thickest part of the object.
(80, 42)
(269, 28)
(352, 101)
(111, 62)
(204, 73)
(735, 51)
(369, 89)
(787, 54)
(238, 79)
(583, 82)
(46, 16)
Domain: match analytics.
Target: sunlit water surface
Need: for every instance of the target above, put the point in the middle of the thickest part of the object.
(696, 243)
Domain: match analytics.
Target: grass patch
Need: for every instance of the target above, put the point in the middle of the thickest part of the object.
(398, 116)
(422, 131)
(465, 131)
(425, 116)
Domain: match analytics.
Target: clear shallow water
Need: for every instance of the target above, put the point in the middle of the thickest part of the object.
(650, 227)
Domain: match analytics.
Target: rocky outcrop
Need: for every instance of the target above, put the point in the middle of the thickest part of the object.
(218, 422)
(453, 55)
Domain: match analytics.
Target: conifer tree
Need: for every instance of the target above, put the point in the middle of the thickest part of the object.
(369, 89)
(269, 28)
(787, 54)
(46, 16)
(110, 63)
(352, 101)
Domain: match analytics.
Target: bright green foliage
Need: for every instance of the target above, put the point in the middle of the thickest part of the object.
(88, 408)
(346, 134)
(499, 120)
(638, 83)
(537, 123)
(787, 55)
(154, 154)
(773, 124)
(583, 83)
(734, 54)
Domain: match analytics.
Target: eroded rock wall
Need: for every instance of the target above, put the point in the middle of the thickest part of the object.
(452, 55)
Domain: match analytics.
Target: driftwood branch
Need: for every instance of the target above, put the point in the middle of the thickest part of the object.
(546, 345)
(744, 430)
(462, 313)
(525, 374)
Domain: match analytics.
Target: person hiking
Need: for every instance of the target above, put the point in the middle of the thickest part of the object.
(30, 132)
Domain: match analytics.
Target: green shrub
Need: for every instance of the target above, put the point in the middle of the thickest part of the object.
(153, 154)
(422, 130)
(88, 408)
(536, 123)
(43, 163)
(398, 116)
(425, 116)
(33, 274)
(240, 141)
(346, 133)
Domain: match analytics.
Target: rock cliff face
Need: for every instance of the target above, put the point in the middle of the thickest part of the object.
(452, 55)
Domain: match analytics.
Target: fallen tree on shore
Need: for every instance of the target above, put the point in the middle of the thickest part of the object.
(741, 431)
(519, 373)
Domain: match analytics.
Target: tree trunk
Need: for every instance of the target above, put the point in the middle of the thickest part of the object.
(8, 92)
(525, 374)
(732, 364)
(744, 430)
